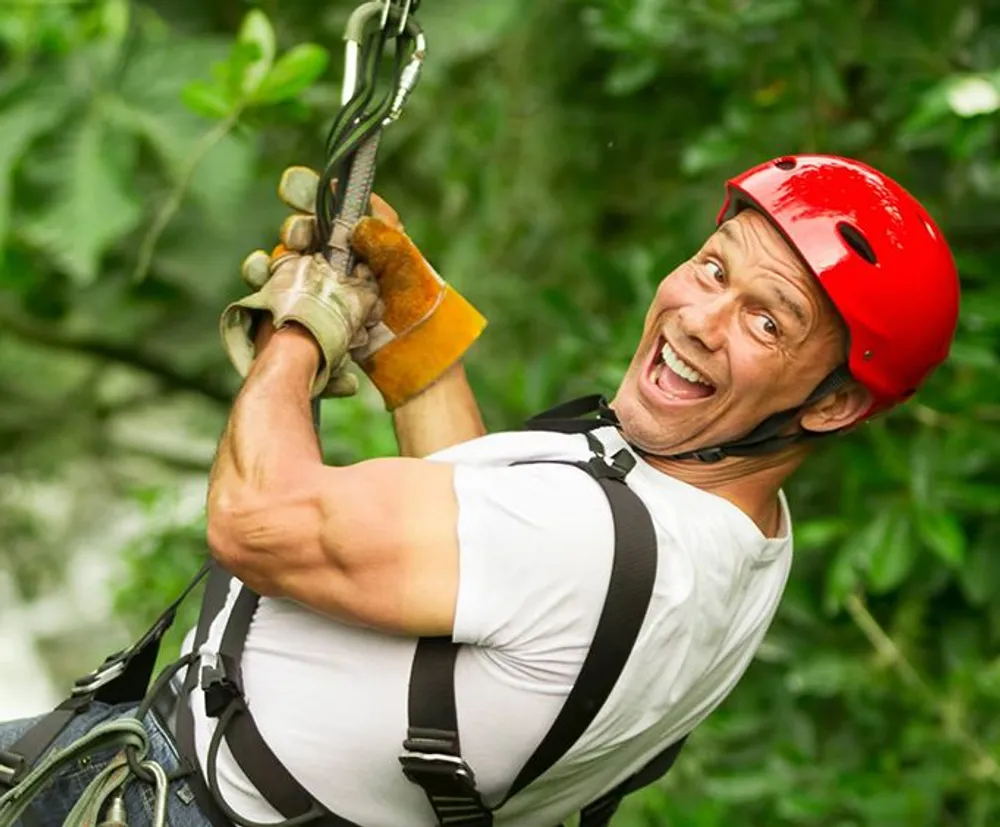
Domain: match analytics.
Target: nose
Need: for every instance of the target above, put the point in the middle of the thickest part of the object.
(704, 323)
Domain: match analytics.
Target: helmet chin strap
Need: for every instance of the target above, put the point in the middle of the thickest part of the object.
(766, 438)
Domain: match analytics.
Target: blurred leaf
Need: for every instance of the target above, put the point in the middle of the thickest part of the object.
(205, 99)
(91, 207)
(294, 71)
(943, 534)
(35, 113)
(891, 554)
(249, 66)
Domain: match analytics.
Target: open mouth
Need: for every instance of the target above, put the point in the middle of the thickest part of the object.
(675, 378)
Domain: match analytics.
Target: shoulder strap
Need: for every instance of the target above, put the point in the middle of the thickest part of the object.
(630, 588)
(212, 602)
(222, 685)
(432, 756)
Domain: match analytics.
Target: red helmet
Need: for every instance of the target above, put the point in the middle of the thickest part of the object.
(878, 255)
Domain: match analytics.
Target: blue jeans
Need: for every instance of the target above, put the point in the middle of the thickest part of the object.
(55, 802)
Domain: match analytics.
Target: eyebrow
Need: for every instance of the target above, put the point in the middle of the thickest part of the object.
(791, 305)
(786, 301)
(729, 232)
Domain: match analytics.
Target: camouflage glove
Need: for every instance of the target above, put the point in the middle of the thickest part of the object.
(303, 288)
(425, 327)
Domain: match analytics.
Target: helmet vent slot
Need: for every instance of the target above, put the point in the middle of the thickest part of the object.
(857, 242)
(785, 163)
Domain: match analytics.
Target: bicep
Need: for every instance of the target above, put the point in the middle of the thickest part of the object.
(513, 558)
(387, 551)
(535, 551)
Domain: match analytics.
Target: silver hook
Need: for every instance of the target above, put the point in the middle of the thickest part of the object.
(403, 7)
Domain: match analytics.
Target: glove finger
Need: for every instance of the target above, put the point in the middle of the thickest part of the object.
(256, 269)
(298, 233)
(342, 385)
(379, 244)
(298, 187)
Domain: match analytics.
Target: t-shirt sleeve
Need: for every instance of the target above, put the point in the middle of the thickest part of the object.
(535, 551)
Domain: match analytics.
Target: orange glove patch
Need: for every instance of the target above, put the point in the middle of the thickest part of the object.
(427, 326)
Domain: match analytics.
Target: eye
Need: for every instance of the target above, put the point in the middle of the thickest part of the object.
(768, 326)
(715, 271)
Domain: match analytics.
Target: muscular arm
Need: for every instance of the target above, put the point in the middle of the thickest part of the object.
(445, 414)
(373, 543)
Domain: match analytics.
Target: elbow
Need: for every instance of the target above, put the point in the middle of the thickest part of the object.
(221, 534)
(261, 540)
(234, 542)
(225, 531)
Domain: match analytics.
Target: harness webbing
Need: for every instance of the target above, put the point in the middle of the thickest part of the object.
(224, 699)
(212, 602)
(433, 759)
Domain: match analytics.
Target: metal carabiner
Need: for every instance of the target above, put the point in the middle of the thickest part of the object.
(404, 7)
(354, 34)
(411, 72)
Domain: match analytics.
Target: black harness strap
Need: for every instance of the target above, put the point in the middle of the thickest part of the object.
(214, 598)
(224, 697)
(123, 678)
(432, 756)
(600, 812)
(630, 588)
(22, 755)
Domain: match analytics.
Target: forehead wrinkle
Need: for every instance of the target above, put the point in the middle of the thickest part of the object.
(729, 232)
(736, 231)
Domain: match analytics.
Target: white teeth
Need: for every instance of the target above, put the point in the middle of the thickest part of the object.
(685, 371)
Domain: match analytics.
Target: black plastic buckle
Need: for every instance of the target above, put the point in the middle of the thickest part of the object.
(422, 767)
(450, 786)
(12, 768)
(219, 691)
(616, 468)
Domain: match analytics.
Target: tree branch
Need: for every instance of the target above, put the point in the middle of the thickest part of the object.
(986, 766)
(203, 383)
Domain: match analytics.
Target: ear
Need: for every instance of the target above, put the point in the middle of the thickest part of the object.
(837, 410)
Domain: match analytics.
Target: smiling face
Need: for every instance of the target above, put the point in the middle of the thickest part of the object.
(740, 331)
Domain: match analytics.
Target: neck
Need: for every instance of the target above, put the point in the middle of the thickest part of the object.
(749, 483)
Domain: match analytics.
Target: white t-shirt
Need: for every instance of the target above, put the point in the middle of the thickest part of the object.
(536, 545)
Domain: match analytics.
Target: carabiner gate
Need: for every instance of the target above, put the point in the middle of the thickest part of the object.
(403, 7)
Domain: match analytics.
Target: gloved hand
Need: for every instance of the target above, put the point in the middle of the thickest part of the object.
(425, 327)
(303, 288)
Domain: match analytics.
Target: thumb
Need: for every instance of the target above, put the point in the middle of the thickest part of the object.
(381, 246)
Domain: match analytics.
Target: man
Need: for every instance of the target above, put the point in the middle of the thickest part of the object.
(825, 296)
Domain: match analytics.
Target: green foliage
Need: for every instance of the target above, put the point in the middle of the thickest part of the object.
(555, 162)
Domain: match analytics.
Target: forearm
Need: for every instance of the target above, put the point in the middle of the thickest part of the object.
(258, 480)
(443, 415)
